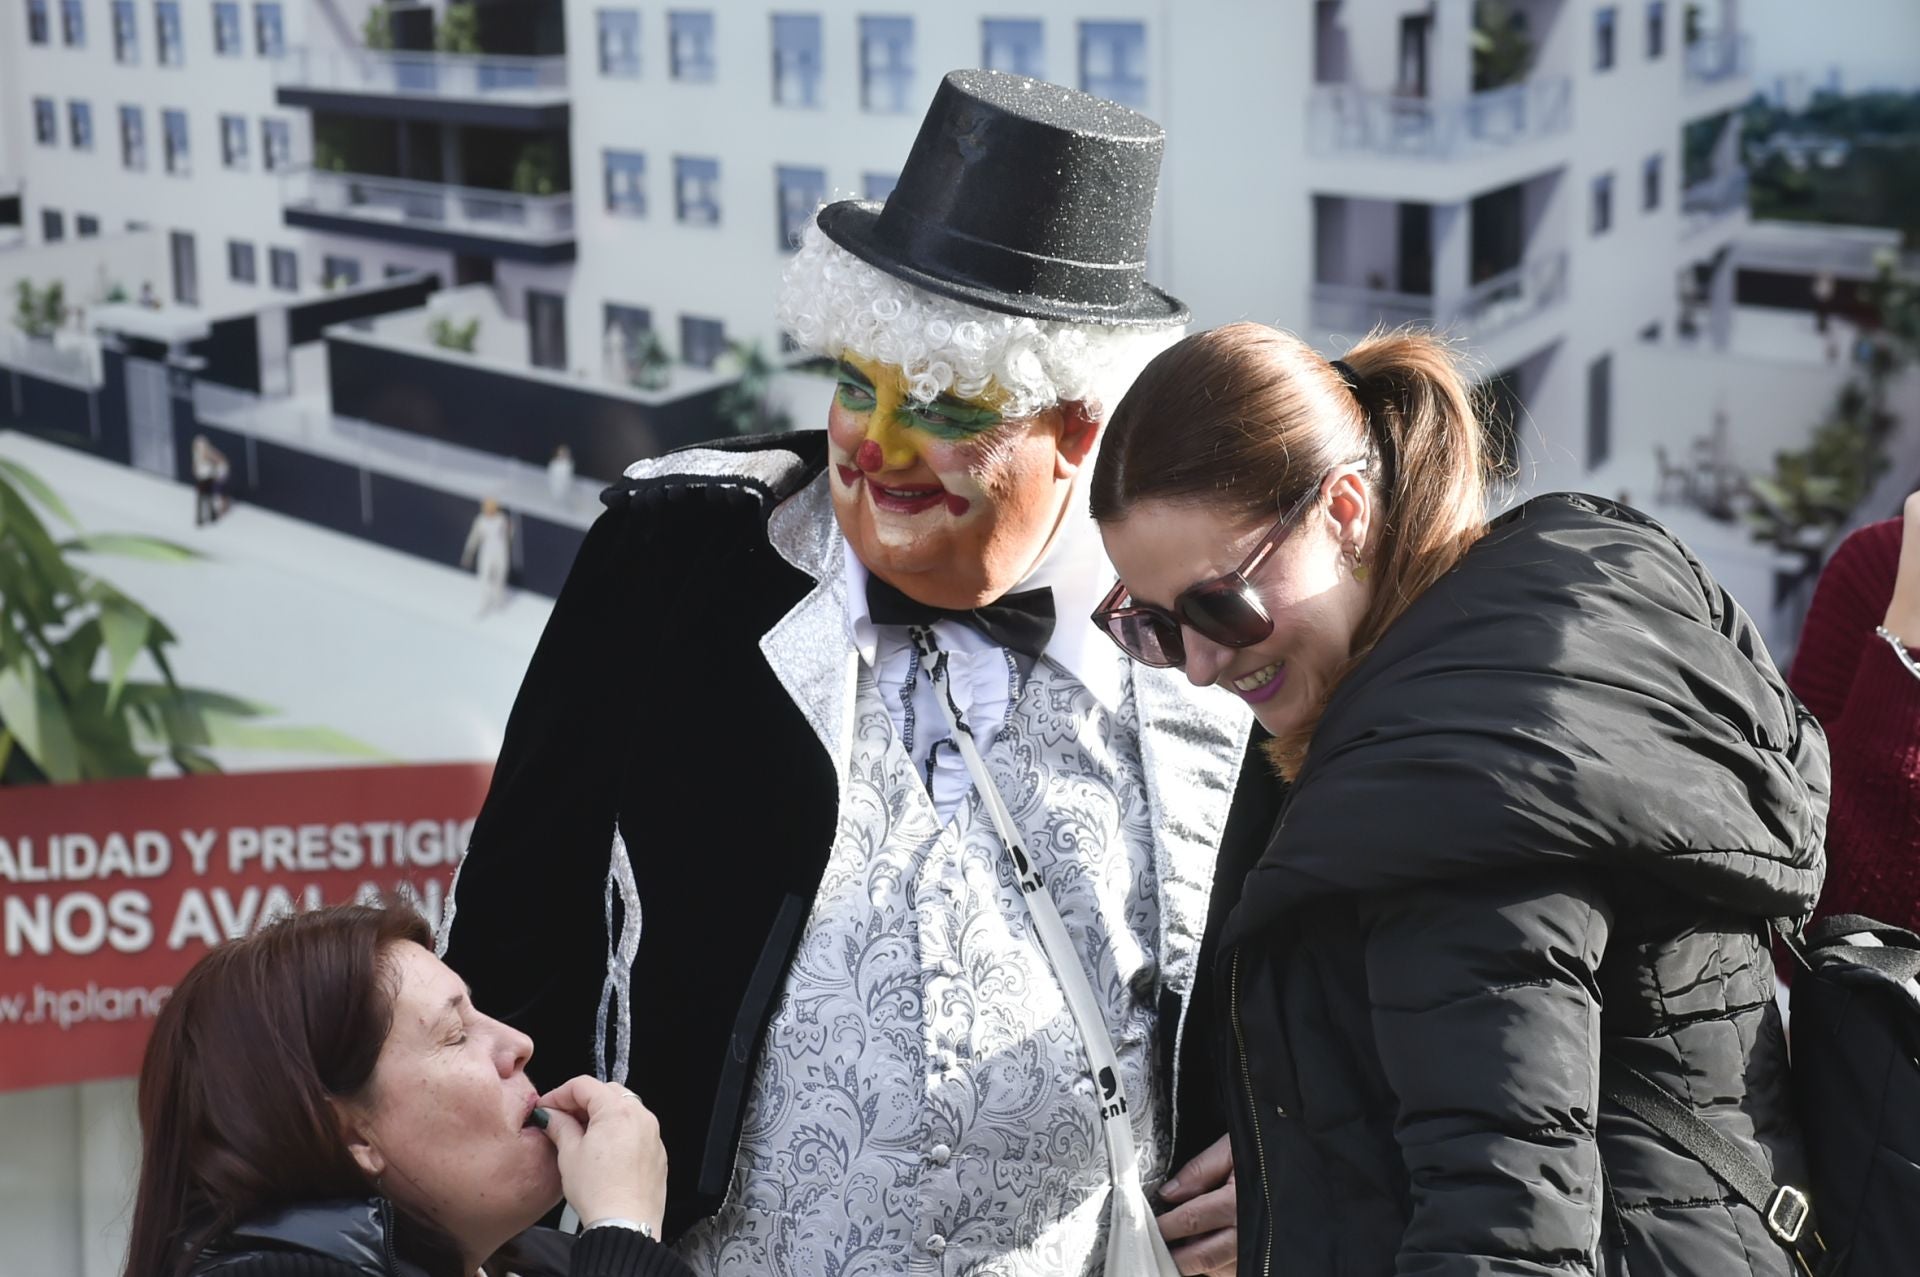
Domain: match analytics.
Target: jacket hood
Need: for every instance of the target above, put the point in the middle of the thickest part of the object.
(1578, 689)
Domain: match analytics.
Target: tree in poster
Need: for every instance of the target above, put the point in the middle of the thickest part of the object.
(71, 707)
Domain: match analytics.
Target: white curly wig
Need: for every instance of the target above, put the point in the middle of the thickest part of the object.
(832, 303)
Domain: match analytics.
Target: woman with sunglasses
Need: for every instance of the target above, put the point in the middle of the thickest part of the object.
(1544, 790)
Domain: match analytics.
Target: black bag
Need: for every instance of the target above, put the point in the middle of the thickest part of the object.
(1855, 1040)
(1855, 1043)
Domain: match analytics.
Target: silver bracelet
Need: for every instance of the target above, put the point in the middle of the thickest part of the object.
(631, 1225)
(1899, 649)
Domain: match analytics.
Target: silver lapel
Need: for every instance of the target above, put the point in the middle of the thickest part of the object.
(809, 649)
(1192, 743)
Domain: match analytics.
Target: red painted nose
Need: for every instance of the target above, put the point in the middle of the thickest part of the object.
(868, 457)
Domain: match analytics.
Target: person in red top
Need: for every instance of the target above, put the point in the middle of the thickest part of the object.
(1858, 669)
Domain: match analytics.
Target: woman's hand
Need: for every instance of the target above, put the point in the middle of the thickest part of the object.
(1202, 1226)
(612, 1163)
(1903, 613)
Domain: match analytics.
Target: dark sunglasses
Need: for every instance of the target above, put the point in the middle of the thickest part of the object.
(1225, 609)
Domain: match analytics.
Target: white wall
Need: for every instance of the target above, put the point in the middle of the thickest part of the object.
(66, 1182)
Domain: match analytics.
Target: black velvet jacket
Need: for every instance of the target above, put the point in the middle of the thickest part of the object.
(1548, 817)
(649, 697)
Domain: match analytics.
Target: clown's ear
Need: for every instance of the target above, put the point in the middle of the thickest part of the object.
(1079, 427)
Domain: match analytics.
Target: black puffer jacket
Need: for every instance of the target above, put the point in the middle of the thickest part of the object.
(1548, 816)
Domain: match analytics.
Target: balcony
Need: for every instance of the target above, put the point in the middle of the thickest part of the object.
(1489, 308)
(461, 219)
(1706, 202)
(1347, 120)
(1498, 303)
(448, 88)
(1718, 58)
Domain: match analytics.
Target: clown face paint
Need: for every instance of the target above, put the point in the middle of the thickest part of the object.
(948, 501)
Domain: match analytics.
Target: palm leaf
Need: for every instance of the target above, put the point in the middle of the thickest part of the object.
(125, 628)
(132, 546)
(37, 489)
(229, 733)
(32, 712)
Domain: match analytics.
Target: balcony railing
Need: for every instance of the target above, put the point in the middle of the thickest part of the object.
(1490, 307)
(462, 210)
(1717, 58)
(1345, 118)
(1714, 198)
(443, 75)
(1503, 300)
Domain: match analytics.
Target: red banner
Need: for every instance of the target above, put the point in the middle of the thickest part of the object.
(110, 891)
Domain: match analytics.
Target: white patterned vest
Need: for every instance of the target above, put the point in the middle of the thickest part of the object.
(922, 1102)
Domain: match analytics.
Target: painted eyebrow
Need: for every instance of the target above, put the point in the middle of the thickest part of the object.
(851, 373)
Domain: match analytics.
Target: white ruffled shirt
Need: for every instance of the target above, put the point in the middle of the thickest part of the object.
(986, 677)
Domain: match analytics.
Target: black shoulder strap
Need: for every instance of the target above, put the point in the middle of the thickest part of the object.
(1785, 1210)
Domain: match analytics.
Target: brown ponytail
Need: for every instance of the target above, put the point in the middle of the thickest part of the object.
(1245, 418)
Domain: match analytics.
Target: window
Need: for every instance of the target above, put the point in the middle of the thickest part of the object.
(173, 134)
(1599, 411)
(73, 24)
(233, 141)
(626, 176)
(270, 35)
(802, 190)
(85, 225)
(276, 145)
(696, 193)
(126, 36)
(53, 226)
(691, 38)
(186, 268)
(796, 59)
(886, 64)
(243, 262)
(1012, 44)
(1602, 219)
(1113, 61)
(391, 271)
(37, 25)
(226, 29)
(166, 32)
(46, 122)
(283, 269)
(702, 341)
(879, 185)
(1603, 21)
(80, 125)
(1650, 184)
(339, 272)
(1656, 29)
(620, 43)
(133, 138)
(624, 337)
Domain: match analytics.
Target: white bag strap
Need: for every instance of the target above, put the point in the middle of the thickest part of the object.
(1134, 1245)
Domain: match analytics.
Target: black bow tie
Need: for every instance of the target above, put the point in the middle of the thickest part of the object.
(1023, 621)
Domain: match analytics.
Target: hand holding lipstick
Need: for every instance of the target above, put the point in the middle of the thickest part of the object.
(612, 1163)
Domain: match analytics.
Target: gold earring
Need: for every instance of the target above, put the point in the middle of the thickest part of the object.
(1359, 568)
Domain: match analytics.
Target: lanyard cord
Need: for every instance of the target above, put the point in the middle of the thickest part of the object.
(1134, 1244)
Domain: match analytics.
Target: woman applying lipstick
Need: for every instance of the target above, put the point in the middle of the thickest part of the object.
(1546, 789)
(322, 1099)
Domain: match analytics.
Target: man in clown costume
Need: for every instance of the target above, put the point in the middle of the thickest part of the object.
(734, 854)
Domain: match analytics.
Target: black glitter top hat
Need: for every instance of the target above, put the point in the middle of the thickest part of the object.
(1020, 197)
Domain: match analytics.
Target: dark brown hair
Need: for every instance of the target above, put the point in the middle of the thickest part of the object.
(256, 1041)
(1246, 418)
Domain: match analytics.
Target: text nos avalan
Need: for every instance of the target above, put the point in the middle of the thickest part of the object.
(80, 923)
